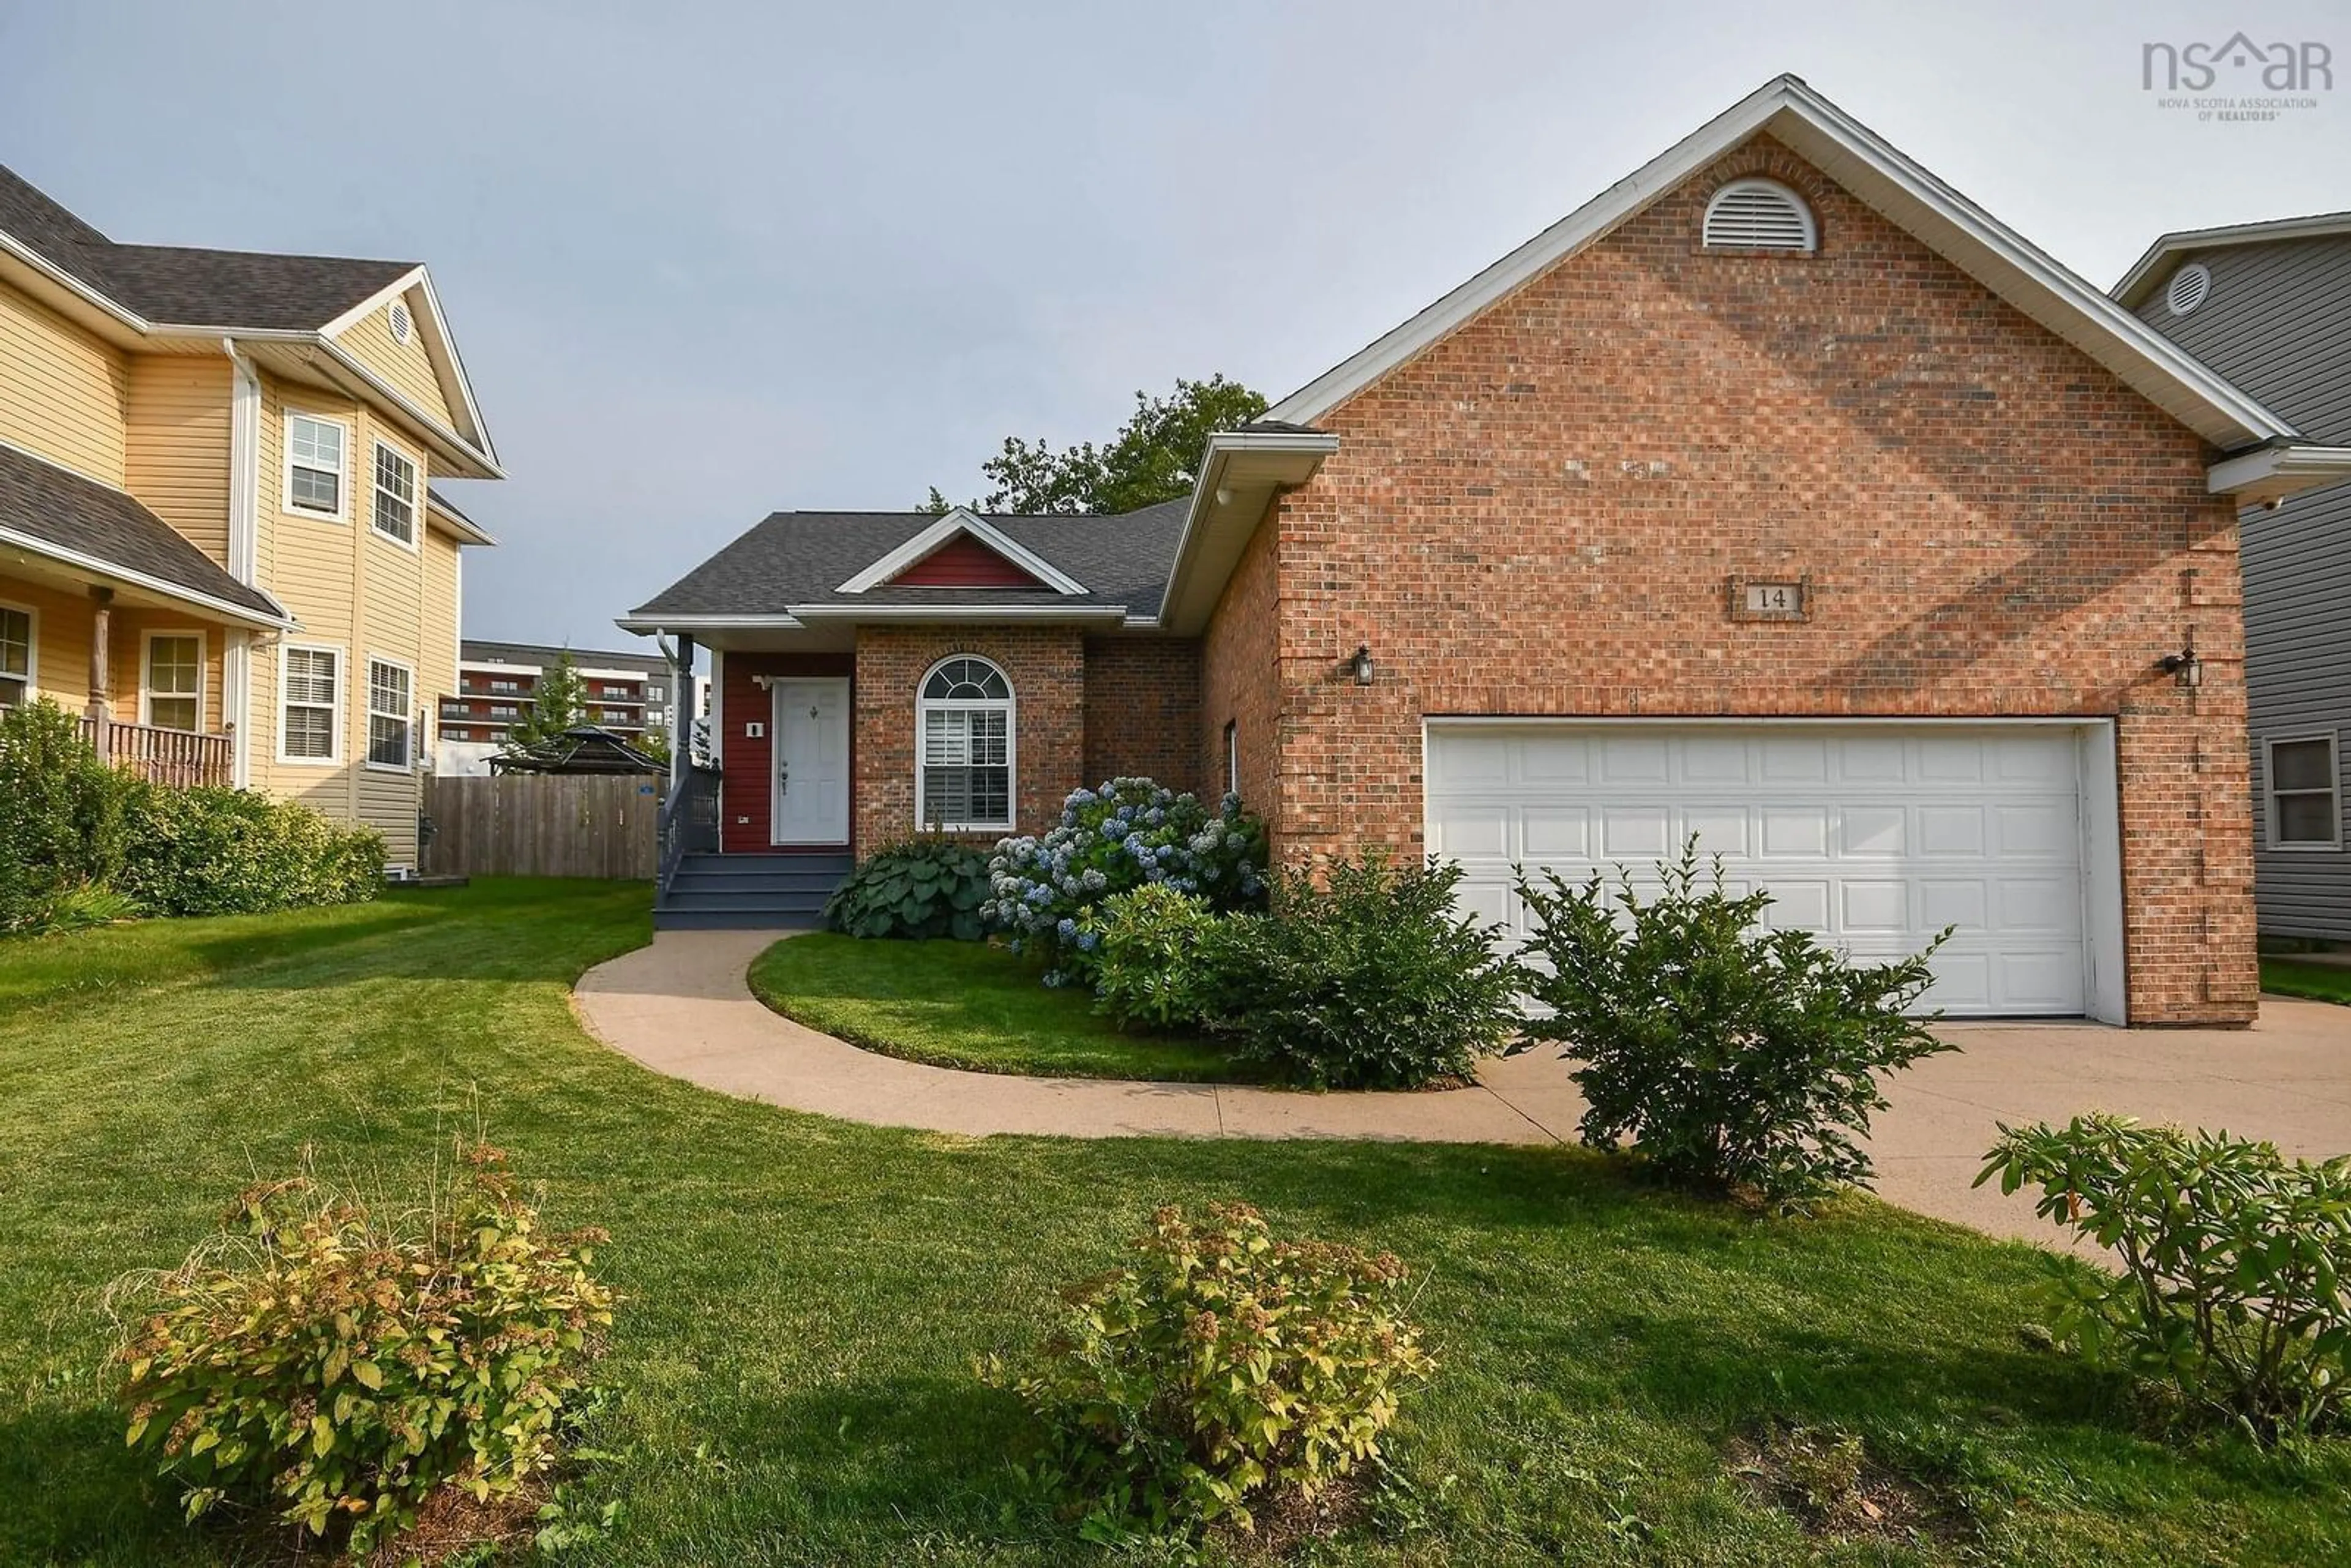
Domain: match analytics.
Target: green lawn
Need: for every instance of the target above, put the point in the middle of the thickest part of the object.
(2319, 982)
(965, 1004)
(791, 1375)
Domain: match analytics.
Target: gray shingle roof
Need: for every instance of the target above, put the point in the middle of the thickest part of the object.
(803, 558)
(182, 286)
(50, 505)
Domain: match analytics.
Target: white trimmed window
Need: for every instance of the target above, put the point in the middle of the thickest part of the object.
(391, 720)
(172, 690)
(16, 655)
(1759, 214)
(2305, 805)
(1232, 757)
(309, 701)
(314, 464)
(963, 768)
(395, 495)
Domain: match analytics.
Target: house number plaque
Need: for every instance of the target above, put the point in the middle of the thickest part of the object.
(1770, 598)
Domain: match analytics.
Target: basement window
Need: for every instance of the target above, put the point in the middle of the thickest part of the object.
(1759, 214)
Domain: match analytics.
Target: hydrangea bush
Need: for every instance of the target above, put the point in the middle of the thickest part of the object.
(1129, 834)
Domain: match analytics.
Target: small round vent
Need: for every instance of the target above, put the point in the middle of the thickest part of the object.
(1759, 214)
(2189, 286)
(401, 325)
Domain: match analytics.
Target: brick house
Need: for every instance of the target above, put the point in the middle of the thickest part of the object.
(1778, 496)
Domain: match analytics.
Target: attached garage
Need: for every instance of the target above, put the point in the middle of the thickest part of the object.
(1874, 833)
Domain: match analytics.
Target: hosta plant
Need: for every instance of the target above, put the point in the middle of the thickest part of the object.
(339, 1365)
(1129, 834)
(2236, 1263)
(922, 888)
(1225, 1372)
(1734, 1056)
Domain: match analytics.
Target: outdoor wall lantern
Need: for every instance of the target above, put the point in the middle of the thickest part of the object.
(2183, 666)
(1362, 665)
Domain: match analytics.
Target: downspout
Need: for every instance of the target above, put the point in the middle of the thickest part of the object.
(244, 554)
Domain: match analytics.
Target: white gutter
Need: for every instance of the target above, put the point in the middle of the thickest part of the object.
(2274, 473)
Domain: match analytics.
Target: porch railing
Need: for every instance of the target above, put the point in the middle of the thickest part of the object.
(689, 821)
(176, 758)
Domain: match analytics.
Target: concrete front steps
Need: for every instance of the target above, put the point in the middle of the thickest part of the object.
(749, 893)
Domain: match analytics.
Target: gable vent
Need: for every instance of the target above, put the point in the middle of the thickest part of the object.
(401, 324)
(2188, 287)
(1759, 214)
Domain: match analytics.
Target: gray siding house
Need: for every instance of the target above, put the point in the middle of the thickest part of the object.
(2269, 306)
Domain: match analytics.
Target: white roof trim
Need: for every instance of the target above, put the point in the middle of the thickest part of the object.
(962, 521)
(365, 308)
(1906, 193)
(644, 624)
(2140, 280)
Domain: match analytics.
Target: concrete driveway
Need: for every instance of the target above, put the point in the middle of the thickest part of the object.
(2286, 1079)
(682, 1007)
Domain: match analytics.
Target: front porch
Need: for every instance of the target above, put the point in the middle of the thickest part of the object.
(148, 679)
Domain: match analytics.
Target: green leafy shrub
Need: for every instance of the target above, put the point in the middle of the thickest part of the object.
(61, 810)
(1129, 834)
(340, 1365)
(922, 888)
(2236, 1281)
(1226, 1372)
(81, 908)
(1735, 1058)
(1151, 968)
(1372, 981)
(235, 851)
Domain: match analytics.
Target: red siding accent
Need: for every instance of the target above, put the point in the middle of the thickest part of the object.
(746, 797)
(964, 562)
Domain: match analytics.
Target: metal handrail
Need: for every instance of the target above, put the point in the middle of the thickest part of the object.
(689, 821)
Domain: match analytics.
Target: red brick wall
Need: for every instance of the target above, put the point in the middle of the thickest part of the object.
(1143, 710)
(1539, 516)
(1240, 677)
(745, 791)
(1047, 668)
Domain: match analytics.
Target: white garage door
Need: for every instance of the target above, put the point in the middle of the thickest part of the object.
(1876, 835)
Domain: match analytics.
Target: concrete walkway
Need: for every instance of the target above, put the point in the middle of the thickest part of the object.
(682, 1007)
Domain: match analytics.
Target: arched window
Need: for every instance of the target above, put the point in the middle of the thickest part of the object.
(963, 753)
(1759, 214)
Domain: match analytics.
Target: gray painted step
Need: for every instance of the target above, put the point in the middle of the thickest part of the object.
(820, 882)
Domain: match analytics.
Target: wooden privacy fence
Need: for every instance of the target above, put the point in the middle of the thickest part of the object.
(544, 824)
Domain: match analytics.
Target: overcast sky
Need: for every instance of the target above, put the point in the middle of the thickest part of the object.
(707, 261)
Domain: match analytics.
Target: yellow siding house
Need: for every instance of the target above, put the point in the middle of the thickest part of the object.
(220, 541)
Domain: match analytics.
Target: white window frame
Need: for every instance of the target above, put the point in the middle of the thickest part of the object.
(1232, 757)
(342, 512)
(147, 692)
(414, 543)
(408, 718)
(32, 676)
(1007, 704)
(334, 758)
(2333, 844)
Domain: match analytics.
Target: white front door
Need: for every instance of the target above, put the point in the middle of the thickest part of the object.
(811, 762)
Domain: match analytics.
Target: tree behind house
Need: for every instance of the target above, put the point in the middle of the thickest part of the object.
(558, 703)
(1156, 456)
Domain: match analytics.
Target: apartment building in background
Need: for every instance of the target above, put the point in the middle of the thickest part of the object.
(628, 693)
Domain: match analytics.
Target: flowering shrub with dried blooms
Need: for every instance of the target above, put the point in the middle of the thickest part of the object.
(1225, 1372)
(340, 1365)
